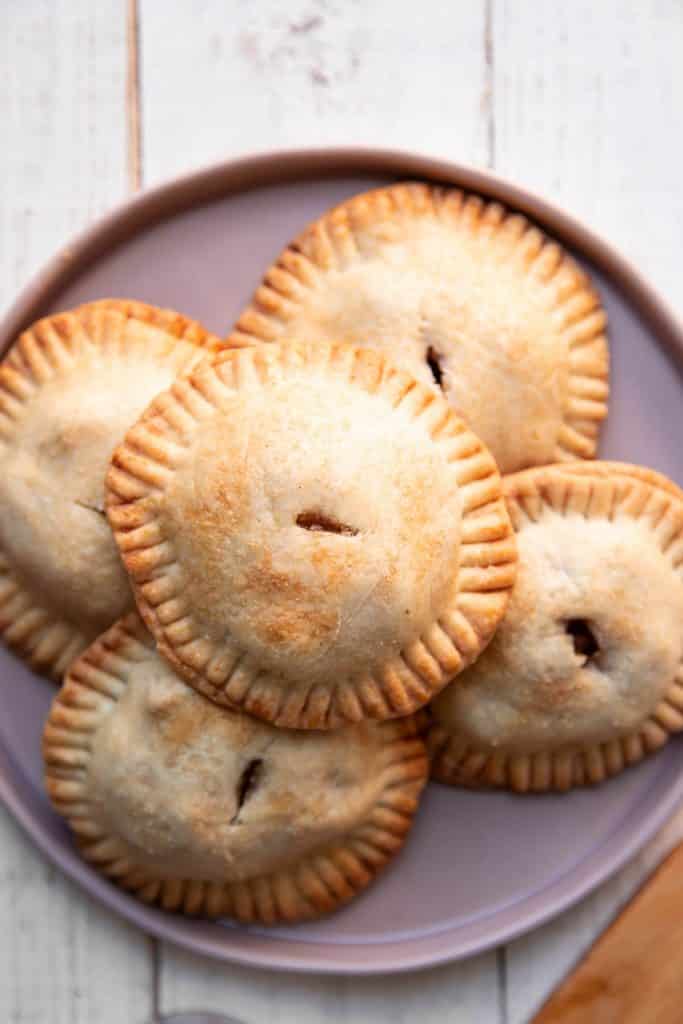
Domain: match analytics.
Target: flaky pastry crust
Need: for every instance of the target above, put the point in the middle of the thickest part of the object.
(207, 811)
(584, 675)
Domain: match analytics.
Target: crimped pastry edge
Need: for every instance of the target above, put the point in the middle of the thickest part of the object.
(330, 243)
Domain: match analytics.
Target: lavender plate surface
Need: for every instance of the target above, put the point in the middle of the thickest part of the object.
(479, 868)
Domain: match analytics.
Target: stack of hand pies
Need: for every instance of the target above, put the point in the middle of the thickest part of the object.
(300, 578)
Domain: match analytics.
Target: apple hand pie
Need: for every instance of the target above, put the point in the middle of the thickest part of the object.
(207, 811)
(584, 674)
(70, 387)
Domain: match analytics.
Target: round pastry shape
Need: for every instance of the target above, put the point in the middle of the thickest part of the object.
(584, 675)
(70, 387)
(471, 298)
(312, 535)
(208, 811)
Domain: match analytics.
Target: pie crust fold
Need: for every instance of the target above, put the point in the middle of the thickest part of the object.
(207, 811)
(584, 675)
(470, 297)
(312, 535)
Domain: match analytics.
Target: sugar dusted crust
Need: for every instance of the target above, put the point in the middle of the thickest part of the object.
(319, 883)
(150, 467)
(365, 272)
(606, 492)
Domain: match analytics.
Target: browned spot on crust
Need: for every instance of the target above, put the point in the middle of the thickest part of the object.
(264, 579)
(552, 694)
(179, 727)
(303, 628)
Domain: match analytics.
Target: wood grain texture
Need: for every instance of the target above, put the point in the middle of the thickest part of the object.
(65, 960)
(218, 81)
(587, 108)
(62, 161)
(464, 993)
(63, 152)
(634, 973)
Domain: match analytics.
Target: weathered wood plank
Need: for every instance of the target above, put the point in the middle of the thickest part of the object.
(583, 99)
(65, 960)
(219, 81)
(62, 111)
(62, 161)
(587, 101)
(457, 994)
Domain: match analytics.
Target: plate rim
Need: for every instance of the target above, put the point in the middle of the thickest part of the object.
(215, 181)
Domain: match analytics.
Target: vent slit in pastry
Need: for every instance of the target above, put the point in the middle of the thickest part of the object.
(319, 522)
(584, 675)
(248, 783)
(585, 644)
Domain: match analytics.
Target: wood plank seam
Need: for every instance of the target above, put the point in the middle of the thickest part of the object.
(134, 155)
(489, 95)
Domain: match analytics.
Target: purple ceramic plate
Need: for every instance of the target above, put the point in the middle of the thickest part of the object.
(479, 868)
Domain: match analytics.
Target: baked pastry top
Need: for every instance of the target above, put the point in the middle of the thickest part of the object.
(69, 388)
(311, 534)
(584, 673)
(471, 298)
(208, 811)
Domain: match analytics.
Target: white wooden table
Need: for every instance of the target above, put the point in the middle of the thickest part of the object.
(579, 99)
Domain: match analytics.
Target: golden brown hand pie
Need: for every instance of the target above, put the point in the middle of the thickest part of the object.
(312, 535)
(69, 388)
(205, 810)
(583, 676)
(471, 298)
